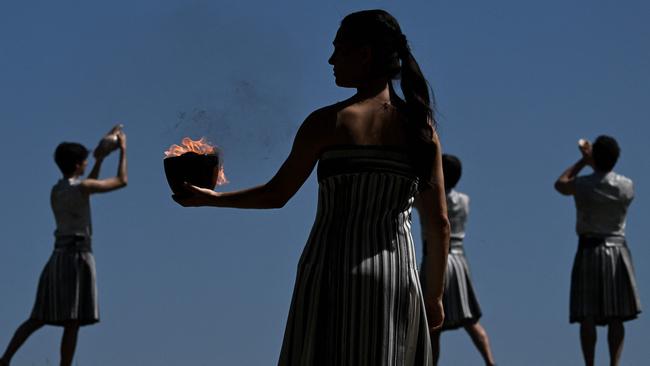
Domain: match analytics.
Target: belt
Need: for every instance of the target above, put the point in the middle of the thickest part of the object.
(455, 245)
(587, 241)
(80, 243)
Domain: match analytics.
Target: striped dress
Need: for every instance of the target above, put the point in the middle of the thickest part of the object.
(357, 299)
(67, 290)
(603, 283)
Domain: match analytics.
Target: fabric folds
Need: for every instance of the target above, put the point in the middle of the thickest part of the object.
(67, 290)
(357, 298)
(603, 284)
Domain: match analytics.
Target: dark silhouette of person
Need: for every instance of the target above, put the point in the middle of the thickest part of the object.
(67, 290)
(459, 300)
(603, 285)
(357, 298)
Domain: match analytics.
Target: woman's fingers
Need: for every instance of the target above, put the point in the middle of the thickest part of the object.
(197, 196)
(196, 190)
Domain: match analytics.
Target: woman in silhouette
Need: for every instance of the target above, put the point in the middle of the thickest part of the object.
(459, 300)
(67, 292)
(603, 285)
(357, 298)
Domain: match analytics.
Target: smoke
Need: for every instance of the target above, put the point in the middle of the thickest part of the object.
(243, 118)
(234, 76)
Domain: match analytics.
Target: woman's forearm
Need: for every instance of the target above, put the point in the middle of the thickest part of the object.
(94, 173)
(260, 197)
(572, 171)
(122, 174)
(436, 244)
(564, 184)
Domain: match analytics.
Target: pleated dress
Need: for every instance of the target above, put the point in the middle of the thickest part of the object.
(67, 289)
(357, 300)
(603, 282)
(459, 299)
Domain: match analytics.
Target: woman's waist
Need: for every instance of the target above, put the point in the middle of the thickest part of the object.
(387, 235)
(362, 218)
(66, 230)
(456, 245)
(586, 241)
(73, 242)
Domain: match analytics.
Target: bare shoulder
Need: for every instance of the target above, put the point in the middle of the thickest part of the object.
(320, 126)
(322, 118)
(88, 182)
(87, 185)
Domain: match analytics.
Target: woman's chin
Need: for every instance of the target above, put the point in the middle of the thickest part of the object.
(344, 83)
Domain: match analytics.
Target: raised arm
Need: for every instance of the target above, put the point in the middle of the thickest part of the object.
(94, 173)
(432, 209)
(94, 185)
(286, 182)
(566, 183)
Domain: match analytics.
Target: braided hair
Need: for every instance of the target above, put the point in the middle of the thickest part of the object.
(392, 58)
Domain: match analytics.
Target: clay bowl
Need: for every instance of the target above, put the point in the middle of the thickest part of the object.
(199, 170)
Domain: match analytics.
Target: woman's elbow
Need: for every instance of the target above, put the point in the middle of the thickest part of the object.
(276, 204)
(443, 226)
(274, 197)
(277, 201)
(562, 188)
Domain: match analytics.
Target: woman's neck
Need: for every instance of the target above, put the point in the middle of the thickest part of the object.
(378, 89)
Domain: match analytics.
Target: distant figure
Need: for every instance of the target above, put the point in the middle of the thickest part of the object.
(357, 300)
(459, 301)
(67, 292)
(603, 286)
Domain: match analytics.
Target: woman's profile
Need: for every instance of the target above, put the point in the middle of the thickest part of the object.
(357, 298)
(67, 291)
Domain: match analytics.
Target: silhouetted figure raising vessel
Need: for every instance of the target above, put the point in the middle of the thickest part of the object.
(603, 285)
(67, 290)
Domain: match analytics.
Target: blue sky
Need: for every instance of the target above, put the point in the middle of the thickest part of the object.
(517, 83)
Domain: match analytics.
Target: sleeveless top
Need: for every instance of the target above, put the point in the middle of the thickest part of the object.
(457, 212)
(71, 207)
(601, 201)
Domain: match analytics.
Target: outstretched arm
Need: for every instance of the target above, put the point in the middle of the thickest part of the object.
(94, 185)
(277, 191)
(432, 209)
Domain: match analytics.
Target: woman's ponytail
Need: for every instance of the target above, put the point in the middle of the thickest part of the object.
(421, 121)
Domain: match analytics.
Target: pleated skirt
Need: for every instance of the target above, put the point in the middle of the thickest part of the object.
(459, 300)
(603, 285)
(67, 289)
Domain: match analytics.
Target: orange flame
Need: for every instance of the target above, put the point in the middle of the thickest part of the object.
(221, 176)
(199, 146)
